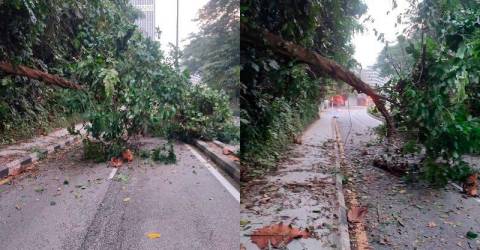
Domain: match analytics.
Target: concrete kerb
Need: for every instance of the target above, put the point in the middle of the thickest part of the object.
(378, 118)
(230, 167)
(219, 143)
(361, 238)
(344, 240)
(19, 165)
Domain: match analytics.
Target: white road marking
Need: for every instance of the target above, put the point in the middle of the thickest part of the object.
(112, 174)
(457, 186)
(461, 189)
(230, 188)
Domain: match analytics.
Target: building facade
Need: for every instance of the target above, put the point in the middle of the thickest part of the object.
(371, 77)
(147, 23)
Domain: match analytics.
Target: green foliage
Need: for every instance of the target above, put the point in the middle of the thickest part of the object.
(130, 87)
(205, 113)
(41, 154)
(410, 147)
(374, 111)
(122, 178)
(164, 154)
(439, 173)
(28, 107)
(381, 131)
(279, 97)
(281, 118)
(144, 154)
(471, 235)
(229, 134)
(439, 98)
(393, 60)
(214, 52)
(94, 151)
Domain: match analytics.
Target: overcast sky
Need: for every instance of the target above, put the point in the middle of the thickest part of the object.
(366, 45)
(166, 11)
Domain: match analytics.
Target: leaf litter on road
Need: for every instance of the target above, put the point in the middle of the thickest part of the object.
(356, 214)
(122, 178)
(277, 235)
(431, 224)
(153, 235)
(127, 155)
(471, 235)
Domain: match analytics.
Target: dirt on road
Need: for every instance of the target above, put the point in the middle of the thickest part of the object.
(403, 214)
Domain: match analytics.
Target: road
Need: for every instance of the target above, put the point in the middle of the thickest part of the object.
(402, 214)
(68, 203)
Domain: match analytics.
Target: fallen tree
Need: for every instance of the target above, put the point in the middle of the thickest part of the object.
(319, 64)
(36, 74)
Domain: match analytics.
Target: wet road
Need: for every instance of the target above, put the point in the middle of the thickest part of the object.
(301, 192)
(71, 204)
(403, 215)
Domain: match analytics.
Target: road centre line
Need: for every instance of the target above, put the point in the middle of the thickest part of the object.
(112, 174)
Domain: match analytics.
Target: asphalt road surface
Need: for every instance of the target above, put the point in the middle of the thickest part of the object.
(403, 214)
(68, 203)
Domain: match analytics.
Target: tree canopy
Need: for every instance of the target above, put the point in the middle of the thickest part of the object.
(214, 52)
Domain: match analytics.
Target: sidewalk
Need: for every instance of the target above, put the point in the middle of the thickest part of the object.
(301, 192)
(14, 157)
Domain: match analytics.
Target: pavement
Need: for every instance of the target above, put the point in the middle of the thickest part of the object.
(66, 202)
(300, 192)
(403, 214)
(16, 157)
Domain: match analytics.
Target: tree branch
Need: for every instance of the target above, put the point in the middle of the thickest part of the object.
(38, 75)
(319, 64)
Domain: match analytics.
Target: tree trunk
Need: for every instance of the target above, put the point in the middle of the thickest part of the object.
(38, 75)
(319, 64)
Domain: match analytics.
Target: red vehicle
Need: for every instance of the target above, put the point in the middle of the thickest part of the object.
(338, 100)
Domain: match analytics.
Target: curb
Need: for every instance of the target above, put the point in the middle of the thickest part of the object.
(17, 166)
(219, 143)
(344, 241)
(376, 117)
(230, 167)
(358, 234)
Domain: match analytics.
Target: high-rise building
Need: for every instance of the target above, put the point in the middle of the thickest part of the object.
(147, 23)
(371, 77)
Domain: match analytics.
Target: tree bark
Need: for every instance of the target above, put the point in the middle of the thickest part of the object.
(319, 64)
(38, 75)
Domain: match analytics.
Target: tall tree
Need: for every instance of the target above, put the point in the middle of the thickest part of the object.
(393, 60)
(285, 44)
(213, 52)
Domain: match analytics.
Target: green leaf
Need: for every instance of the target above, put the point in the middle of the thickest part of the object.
(471, 235)
(461, 51)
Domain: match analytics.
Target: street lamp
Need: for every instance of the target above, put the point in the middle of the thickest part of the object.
(176, 43)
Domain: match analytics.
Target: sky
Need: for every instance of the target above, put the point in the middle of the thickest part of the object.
(367, 48)
(166, 12)
(366, 45)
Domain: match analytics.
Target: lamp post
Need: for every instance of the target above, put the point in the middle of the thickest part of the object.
(176, 43)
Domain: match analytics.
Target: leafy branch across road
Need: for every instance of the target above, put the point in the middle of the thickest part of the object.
(437, 97)
(129, 86)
